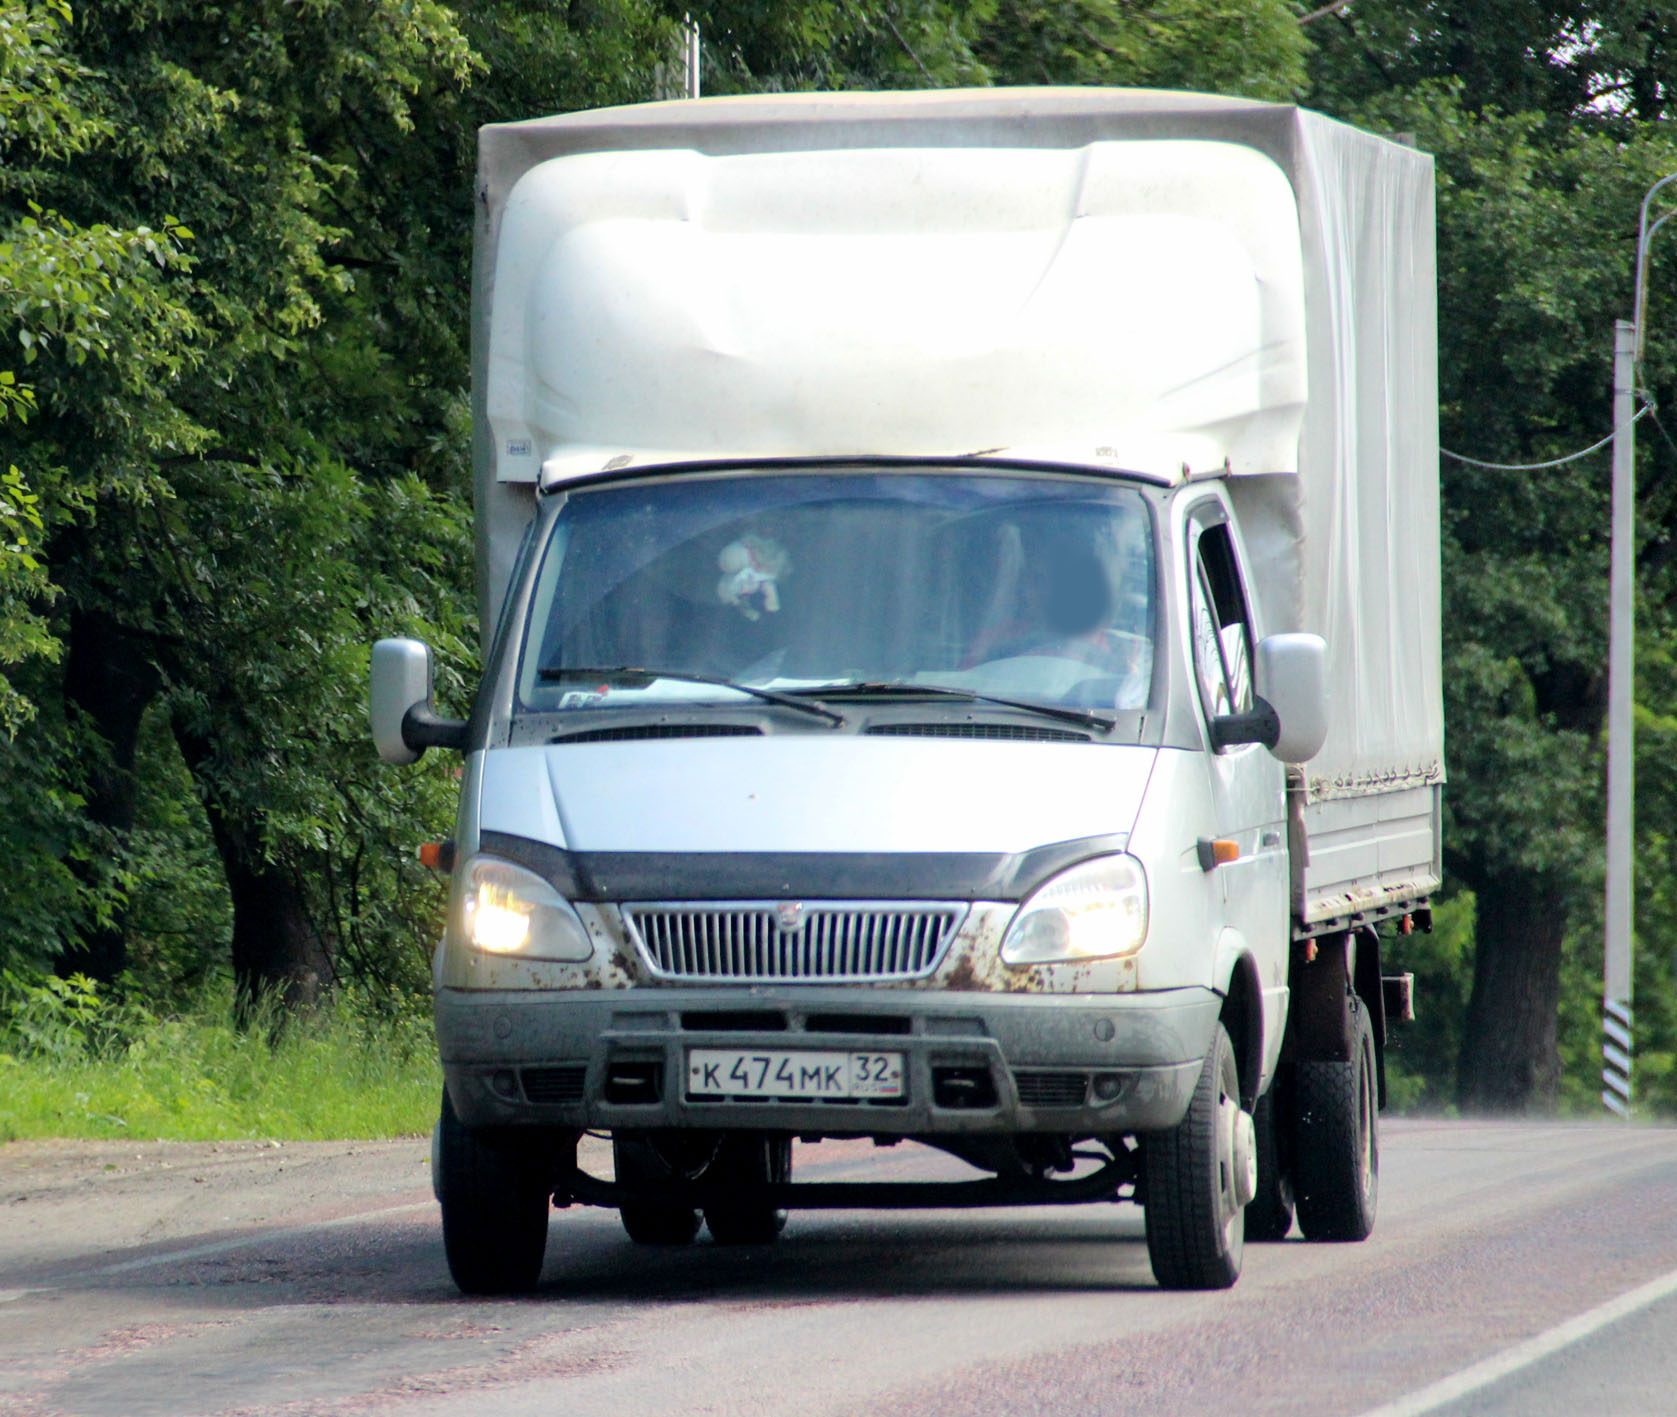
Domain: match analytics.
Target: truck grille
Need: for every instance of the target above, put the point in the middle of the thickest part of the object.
(792, 941)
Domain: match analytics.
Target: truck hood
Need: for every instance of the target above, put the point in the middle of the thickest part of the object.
(810, 793)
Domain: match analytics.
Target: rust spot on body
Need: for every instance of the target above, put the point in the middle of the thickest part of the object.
(963, 976)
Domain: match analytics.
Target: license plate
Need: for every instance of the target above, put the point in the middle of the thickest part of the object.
(733, 1072)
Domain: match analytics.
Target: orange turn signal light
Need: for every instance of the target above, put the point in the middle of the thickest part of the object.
(1218, 852)
(436, 854)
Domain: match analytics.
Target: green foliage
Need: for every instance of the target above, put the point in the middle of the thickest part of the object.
(41, 116)
(247, 461)
(302, 571)
(234, 244)
(23, 580)
(79, 292)
(1540, 120)
(178, 915)
(1594, 60)
(46, 835)
(1421, 1056)
(829, 44)
(50, 1019)
(76, 1062)
(1250, 48)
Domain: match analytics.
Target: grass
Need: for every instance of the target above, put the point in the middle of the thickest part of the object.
(73, 1065)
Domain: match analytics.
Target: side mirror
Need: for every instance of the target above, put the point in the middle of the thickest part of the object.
(404, 725)
(1292, 679)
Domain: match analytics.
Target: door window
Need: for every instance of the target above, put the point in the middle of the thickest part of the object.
(1221, 626)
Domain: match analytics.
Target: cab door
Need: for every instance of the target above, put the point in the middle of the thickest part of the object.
(1247, 785)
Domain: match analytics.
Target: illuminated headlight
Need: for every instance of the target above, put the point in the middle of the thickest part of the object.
(507, 910)
(1097, 910)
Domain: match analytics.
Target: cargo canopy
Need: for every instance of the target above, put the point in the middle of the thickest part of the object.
(1131, 305)
(1113, 279)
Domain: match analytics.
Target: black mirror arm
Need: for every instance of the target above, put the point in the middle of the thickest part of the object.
(422, 729)
(1260, 724)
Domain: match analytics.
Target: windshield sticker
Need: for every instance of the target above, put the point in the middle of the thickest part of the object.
(583, 698)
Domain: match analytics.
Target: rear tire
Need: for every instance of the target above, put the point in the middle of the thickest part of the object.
(637, 1162)
(495, 1206)
(1270, 1215)
(745, 1162)
(1337, 1149)
(1195, 1220)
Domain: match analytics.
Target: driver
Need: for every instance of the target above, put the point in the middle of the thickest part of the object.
(1065, 596)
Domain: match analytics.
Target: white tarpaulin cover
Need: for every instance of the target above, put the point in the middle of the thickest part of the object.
(1135, 305)
(1117, 279)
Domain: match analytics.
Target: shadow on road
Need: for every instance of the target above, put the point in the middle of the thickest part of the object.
(822, 1258)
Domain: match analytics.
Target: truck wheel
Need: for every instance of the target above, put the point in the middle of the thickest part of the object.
(745, 1162)
(494, 1211)
(1336, 1167)
(636, 1162)
(1196, 1192)
(1270, 1216)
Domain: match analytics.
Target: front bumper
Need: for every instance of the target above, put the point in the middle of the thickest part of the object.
(996, 1064)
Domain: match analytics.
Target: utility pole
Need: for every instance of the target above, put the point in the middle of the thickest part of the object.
(1617, 970)
(690, 56)
(1621, 728)
(678, 76)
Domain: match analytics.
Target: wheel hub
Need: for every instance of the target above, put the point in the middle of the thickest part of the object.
(1239, 1143)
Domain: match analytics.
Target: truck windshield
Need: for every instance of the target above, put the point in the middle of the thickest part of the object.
(1033, 588)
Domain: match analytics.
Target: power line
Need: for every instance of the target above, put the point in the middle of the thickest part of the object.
(1326, 10)
(1646, 408)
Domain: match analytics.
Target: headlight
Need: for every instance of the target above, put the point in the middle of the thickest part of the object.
(507, 910)
(1097, 910)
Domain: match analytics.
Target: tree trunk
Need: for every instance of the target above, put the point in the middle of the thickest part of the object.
(1509, 1061)
(109, 680)
(278, 954)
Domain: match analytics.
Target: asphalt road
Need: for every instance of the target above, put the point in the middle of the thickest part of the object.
(1516, 1268)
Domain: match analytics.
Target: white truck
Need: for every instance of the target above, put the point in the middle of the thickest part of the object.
(963, 572)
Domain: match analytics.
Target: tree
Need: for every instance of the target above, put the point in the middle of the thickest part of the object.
(82, 293)
(245, 448)
(154, 468)
(83, 303)
(1254, 50)
(829, 44)
(274, 471)
(1580, 59)
(1541, 120)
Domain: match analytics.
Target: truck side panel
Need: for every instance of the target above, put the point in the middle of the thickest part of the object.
(1367, 856)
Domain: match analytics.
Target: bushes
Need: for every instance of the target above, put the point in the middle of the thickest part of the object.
(78, 1062)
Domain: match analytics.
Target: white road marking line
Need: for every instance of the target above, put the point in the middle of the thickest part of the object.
(221, 1247)
(1533, 1350)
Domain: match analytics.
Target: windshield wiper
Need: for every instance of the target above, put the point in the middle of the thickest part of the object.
(1084, 717)
(630, 677)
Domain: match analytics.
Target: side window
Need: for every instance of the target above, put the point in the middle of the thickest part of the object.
(1221, 626)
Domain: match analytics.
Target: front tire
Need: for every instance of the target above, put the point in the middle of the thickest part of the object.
(495, 1207)
(1336, 1141)
(1195, 1212)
